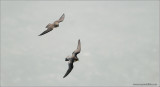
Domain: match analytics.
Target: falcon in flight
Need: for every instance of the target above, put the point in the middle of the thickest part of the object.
(53, 25)
(72, 59)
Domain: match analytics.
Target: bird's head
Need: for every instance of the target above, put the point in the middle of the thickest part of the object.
(56, 24)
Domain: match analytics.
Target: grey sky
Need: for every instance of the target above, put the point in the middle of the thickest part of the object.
(119, 43)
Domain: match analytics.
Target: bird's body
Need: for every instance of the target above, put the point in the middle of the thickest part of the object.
(55, 24)
(72, 59)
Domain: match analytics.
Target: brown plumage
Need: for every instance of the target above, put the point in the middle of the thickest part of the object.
(72, 59)
(55, 24)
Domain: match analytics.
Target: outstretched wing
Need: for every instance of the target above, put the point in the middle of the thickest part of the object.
(61, 18)
(46, 31)
(70, 67)
(48, 25)
(78, 48)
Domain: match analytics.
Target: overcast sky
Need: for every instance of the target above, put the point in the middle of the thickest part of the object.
(119, 40)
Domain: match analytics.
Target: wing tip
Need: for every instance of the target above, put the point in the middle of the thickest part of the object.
(63, 15)
(40, 34)
(79, 41)
(64, 76)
